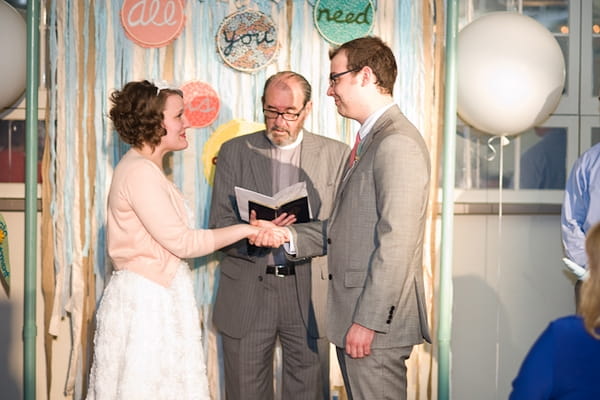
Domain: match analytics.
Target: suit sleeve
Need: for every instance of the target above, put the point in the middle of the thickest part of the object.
(310, 240)
(223, 209)
(401, 185)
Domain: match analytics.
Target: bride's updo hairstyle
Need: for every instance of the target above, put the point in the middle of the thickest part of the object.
(137, 112)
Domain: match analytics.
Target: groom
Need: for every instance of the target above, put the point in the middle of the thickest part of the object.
(374, 236)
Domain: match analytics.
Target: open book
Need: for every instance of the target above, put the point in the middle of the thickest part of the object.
(291, 200)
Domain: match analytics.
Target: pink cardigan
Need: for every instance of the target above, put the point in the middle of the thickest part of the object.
(148, 225)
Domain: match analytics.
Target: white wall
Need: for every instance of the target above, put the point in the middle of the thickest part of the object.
(11, 315)
(501, 304)
(11, 324)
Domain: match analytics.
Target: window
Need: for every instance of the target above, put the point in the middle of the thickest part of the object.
(535, 164)
(12, 150)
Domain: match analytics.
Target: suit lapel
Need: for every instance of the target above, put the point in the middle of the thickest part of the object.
(310, 156)
(364, 149)
(377, 128)
(260, 163)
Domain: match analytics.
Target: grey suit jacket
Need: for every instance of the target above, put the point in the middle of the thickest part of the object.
(244, 161)
(375, 238)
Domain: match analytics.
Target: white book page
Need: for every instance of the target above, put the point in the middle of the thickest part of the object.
(290, 193)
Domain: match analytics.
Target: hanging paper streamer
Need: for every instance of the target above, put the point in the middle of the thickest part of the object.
(201, 103)
(247, 40)
(223, 133)
(4, 262)
(339, 22)
(113, 58)
(152, 24)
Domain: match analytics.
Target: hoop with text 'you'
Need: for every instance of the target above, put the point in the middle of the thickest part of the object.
(247, 40)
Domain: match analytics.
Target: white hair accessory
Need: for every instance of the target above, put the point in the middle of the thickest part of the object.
(160, 85)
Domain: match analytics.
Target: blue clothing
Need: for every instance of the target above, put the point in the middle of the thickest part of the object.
(543, 164)
(581, 207)
(564, 363)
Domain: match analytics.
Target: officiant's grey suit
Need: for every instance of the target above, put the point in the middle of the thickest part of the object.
(374, 240)
(245, 161)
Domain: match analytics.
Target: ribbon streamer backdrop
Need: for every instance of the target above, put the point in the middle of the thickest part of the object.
(89, 55)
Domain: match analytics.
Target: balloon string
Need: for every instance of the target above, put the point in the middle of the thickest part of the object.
(503, 140)
(491, 147)
(500, 185)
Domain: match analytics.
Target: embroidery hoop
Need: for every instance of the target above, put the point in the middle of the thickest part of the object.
(338, 34)
(202, 92)
(243, 57)
(152, 37)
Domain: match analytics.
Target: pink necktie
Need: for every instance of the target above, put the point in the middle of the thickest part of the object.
(353, 152)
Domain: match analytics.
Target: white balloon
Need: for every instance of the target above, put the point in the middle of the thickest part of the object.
(511, 73)
(13, 55)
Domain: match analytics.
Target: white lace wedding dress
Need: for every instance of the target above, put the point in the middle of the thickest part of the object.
(147, 343)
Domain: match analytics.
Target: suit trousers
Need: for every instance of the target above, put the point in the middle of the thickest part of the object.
(379, 376)
(248, 361)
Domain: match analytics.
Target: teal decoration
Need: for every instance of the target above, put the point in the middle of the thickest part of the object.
(339, 22)
(4, 263)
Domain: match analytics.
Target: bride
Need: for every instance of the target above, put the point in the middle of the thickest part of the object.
(147, 343)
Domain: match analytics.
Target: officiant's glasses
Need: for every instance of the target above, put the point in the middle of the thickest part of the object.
(272, 114)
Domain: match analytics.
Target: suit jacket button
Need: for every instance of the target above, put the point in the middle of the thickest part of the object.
(328, 241)
(389, 321)
(330, 277)
(393, 308)
(260, 278)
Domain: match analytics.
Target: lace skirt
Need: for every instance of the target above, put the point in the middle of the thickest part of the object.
(147, 343)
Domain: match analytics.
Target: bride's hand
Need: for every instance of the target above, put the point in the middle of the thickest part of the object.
(270, 237)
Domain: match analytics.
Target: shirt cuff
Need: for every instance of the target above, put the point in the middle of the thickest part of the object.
(290, 247)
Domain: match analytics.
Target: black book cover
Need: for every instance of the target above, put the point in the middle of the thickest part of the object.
(297, 207)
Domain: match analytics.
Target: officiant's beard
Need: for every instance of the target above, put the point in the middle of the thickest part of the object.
(281, 136)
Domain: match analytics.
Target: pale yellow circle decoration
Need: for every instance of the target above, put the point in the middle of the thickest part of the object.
(229, 130)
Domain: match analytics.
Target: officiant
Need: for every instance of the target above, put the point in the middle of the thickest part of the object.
(261, 297)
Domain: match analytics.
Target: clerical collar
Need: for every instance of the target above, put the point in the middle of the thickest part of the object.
(292, 145)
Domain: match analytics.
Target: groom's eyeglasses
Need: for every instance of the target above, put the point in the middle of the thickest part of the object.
(333, 78)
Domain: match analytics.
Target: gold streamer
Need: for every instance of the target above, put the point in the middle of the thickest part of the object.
(47, 259)
(422, 365)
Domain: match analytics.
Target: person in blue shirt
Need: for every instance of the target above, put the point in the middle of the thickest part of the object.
(581, 206)
(564, 362)
(543, 164)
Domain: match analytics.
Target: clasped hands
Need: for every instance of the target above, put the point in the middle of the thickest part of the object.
(272, 233)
